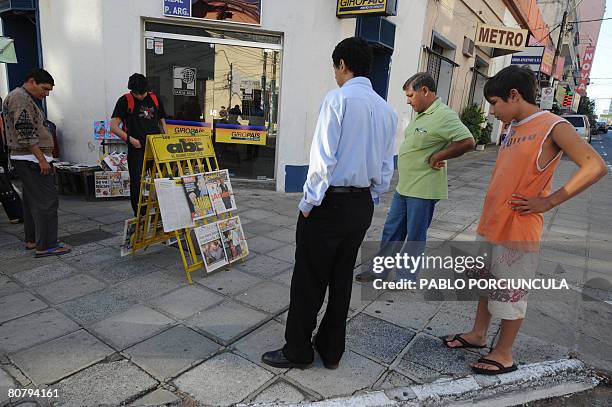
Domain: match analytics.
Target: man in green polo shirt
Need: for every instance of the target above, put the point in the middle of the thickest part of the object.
(435, 135)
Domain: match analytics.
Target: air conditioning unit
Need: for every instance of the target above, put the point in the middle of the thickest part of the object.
(21, 5)
(468, 47)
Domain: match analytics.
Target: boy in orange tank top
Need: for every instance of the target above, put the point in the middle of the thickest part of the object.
(519, 193)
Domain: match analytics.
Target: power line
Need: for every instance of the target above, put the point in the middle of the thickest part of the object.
(589, 21)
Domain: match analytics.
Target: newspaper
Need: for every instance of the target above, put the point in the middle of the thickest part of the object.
(172, 204)
(211, 246)
(197, 196)
(128, 231)
(109, 184)
(114, 162)
(220, 191)
(233, 239)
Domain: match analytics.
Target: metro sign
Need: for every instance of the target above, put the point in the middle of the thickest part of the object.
(585, 69)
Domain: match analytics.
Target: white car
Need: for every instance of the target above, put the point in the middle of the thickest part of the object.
(581, 124)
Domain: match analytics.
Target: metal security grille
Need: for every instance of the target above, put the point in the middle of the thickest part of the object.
(434, 62)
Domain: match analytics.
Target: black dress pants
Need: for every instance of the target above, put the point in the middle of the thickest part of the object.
(327, 245)
(135, 159)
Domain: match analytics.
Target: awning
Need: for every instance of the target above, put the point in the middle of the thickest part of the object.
(7, 51)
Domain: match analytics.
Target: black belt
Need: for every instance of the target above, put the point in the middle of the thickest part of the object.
(345, 190)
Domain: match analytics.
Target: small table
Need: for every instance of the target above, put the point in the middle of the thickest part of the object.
(70, 178)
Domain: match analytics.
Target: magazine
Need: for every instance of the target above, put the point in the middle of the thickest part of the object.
(233, 239)
(114, 162)
(197, 196)
(220, 191)
(128, 231)
(109, 184)
(211, 246)
(173, 206)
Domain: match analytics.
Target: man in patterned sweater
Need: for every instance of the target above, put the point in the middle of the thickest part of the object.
(31, 149)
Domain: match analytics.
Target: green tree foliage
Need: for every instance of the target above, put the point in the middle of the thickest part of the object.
(473, 117)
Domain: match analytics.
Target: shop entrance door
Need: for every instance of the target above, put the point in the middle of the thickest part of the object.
(231, 84)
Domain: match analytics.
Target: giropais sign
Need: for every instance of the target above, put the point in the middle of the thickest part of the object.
(356, 8)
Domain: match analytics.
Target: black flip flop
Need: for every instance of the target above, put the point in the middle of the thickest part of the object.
(464, 344)
(501, 369)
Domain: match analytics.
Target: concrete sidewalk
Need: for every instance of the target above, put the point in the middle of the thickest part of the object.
(102, 329)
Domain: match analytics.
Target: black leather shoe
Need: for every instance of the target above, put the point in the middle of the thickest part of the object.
(277, 358)
(366, 277)
(331, 366)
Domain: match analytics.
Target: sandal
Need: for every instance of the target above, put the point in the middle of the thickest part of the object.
(54, 251)
(29, 248)
(464, 344)
(501, 369)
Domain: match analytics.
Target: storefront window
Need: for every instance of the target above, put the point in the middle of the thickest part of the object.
(233, 87)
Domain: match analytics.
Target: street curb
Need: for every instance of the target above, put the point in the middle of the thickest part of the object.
(530, 382)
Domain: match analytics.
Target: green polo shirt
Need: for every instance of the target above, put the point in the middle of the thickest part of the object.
(429, 132)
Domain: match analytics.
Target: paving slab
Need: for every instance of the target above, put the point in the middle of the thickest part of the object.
(283, 278)
(52, 361)
(70, 288)
(430, 352)
(159, 397)
(171, 352)
(45, 274)
(18, 305)
(144, 288)
(263, 244)
(265, 266)
(286, 235)
(285, 253)
(257, 228)
(267, 296)
(229, 282)
(186, 301)
(280, 392)
(233, 380)
(111, 384)
(377, 339)
(394, 380)
(96, 306)
(528, 349)
(6, 383)
(398, 308)
(42, 326)
(8, 286)
(227, 321)
(93, 261)
(270, 336)
(354, 373)
(132, 326)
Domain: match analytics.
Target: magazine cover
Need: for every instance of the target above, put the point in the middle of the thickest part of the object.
(197, 196)
(102, 184)
(128, 231)
(220, 191)
(211, 246)
(233, 239)
(114, 162)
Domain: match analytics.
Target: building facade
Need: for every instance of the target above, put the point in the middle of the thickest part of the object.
(254, 64)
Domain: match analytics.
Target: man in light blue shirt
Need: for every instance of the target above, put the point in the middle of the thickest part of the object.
(351, 164)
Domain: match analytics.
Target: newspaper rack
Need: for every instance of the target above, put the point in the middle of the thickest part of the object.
(172, 156)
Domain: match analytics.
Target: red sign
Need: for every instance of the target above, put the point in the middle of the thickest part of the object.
(585, 69)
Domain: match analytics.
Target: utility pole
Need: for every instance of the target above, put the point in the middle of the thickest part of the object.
(558, 50)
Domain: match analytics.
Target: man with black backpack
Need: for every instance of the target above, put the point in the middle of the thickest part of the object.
(137, 114)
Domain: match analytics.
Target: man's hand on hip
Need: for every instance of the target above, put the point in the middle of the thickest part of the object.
(134, 142)
(306, 214)
(436, 162)
(45, 168)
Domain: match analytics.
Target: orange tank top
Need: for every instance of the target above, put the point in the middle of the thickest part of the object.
(517, 172)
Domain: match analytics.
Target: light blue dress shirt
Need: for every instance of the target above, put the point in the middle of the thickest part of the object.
(353, 144)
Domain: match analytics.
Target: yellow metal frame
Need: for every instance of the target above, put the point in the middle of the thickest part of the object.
(148, 221)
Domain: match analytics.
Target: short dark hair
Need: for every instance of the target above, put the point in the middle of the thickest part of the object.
(357, 55)
(418, 80)
(138, 83)
(40, 76)
(512, 77)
